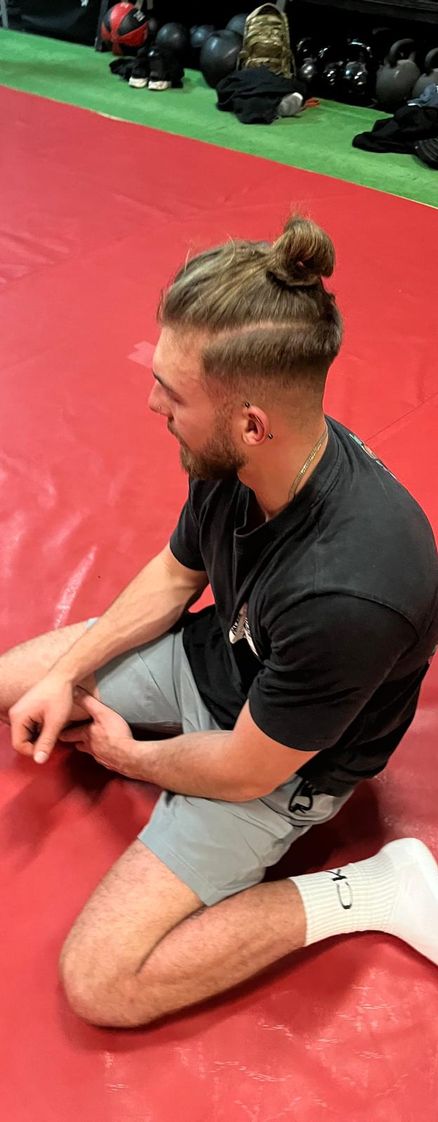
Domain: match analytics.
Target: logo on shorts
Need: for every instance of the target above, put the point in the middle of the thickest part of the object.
(302, 799)
(240, 629)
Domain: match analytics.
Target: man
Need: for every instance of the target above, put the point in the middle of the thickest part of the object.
(299, 683)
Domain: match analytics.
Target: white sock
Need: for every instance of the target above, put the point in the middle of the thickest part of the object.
(396, 891)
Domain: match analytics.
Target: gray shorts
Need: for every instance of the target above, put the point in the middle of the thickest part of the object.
(218, 848)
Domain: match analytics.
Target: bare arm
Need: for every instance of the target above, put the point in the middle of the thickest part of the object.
(235, 766)
(146, 609)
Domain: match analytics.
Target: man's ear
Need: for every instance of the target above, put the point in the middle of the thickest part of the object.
(257, 427)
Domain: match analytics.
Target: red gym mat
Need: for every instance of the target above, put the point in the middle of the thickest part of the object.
(95, 217)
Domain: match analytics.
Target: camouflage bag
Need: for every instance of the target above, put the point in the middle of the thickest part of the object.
(266, 41)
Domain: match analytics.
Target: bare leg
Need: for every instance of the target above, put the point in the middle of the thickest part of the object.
(143, 946)
(220, 947)
(133, 954)
(23, 666)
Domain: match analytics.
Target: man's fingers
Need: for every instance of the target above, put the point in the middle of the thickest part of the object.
(28, 731)
(45, 744)
(24, 733)
(69, 736)
(75, 735)
(88, 702)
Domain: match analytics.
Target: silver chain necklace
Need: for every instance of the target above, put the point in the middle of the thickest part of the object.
(307, 463)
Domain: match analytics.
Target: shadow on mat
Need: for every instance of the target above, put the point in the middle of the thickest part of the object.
(358, 827)
(38, 808)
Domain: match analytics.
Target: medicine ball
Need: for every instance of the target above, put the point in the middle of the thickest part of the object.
(237, 24)
(125, 28)
(220, 56)
(198, 36)
(174, 37)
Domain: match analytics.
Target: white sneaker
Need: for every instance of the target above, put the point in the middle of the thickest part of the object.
(414, 913)
(290, 105)
(138, 83)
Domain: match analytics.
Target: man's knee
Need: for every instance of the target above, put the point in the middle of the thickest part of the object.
(136, 905)
(99, 997)
(78, 988)
(82, 979)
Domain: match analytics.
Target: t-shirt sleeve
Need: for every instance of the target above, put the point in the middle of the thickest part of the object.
(184, 541)
(326, 661)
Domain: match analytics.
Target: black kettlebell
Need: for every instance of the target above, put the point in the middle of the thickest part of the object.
(305, 48)
(398, 75)
(307, 66)
(330, 64)
(430, 76)
(357, 76)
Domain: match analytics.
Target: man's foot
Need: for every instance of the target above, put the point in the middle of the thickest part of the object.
(414, 913)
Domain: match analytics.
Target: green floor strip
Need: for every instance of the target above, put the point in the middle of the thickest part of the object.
(319, 140)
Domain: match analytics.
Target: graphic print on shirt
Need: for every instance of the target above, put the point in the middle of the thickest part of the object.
(370, 453)
(240, 629)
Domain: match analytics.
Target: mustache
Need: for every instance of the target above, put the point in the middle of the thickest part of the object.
(175, 434)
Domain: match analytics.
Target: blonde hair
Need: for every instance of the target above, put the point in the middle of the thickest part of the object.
(263, 308)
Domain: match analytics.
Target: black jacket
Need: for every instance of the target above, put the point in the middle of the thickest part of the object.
(401, 132)
(254, 94)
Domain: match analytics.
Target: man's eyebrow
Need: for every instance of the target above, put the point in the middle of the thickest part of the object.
(165, 385)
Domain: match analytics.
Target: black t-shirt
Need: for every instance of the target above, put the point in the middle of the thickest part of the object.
(325, 617)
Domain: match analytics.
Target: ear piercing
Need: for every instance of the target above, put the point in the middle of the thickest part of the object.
(247, 405)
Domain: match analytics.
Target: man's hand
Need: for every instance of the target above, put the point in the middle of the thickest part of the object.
(38, 717)
(108, 738)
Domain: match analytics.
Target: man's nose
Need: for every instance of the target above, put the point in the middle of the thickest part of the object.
(154, 401)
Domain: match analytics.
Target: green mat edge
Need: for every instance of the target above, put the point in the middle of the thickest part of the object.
(419, 183)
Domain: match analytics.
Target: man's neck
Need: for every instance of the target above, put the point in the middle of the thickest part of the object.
(273, 480)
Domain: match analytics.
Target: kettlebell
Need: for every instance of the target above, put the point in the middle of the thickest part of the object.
(330, 64)
(306, 62)
(398, 75)
(357, 74)
(430, 75)
(305, 49)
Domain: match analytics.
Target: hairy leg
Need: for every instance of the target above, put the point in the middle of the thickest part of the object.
(144, 946)
(222, 946)
(129, 913)
(24, 665)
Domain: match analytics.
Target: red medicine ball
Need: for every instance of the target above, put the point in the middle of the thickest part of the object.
(125, 27)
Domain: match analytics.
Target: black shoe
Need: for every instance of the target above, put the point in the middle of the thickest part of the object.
(427, 151)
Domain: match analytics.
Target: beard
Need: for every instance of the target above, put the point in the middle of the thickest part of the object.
(217, 460)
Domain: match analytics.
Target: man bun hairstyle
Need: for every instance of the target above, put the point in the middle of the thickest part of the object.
(301, 255)
(263, 308)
